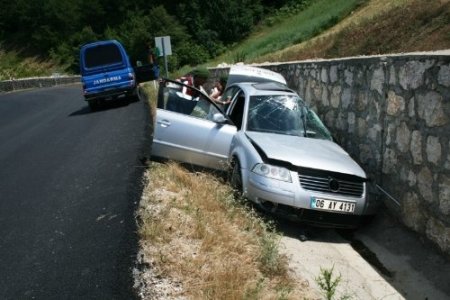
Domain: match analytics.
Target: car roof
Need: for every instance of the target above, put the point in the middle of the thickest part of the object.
(271, 86)
(243, 73)
(98, 43)
(258, 88)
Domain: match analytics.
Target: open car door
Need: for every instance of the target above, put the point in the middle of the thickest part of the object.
(190, 128)
(147, 72)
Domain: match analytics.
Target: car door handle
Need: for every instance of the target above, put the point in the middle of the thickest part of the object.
(164, 123)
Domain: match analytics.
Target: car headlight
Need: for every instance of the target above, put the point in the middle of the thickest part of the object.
(273, 172)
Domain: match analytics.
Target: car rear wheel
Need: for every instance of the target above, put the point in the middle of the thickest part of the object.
(236, 180)
(135, 97)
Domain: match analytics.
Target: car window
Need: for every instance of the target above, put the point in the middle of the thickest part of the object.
(230, 92)
(315, 128)
(236, 112)
(102, 55)
(284, 114)
(183, 99)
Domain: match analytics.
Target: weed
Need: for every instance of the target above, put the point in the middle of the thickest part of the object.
(239, 56)
(270, 258)
(328, 284)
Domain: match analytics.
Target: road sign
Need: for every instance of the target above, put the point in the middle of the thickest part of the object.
(163, 45)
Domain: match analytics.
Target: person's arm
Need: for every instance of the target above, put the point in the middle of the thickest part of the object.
(215, 94)
(219, 100)
(227, 101)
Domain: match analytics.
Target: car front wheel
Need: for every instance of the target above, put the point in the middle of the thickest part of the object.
(236, 180)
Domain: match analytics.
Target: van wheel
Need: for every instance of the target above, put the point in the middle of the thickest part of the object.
(93, 105)
(236, 180)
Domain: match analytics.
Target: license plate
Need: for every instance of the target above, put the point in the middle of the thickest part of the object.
(332, 205)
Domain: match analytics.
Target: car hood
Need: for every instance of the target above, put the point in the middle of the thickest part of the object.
(306, 152)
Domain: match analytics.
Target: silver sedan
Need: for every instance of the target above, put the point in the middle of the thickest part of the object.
(277, 151)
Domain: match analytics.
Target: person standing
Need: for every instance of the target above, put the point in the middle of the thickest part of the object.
(196, 78)
(217, 91)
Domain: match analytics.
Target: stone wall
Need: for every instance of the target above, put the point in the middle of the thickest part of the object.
(392, 114)
(37, 82)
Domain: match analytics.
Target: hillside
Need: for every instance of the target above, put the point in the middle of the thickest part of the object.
(326, 29)
(378, 27)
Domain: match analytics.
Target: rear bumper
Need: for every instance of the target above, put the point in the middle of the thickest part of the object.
(111, 94)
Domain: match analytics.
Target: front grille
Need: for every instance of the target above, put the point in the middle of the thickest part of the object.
(334, 183)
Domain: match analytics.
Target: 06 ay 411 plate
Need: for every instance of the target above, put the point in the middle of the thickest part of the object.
(332, 205)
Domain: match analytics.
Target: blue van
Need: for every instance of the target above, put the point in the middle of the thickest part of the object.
(106, 73)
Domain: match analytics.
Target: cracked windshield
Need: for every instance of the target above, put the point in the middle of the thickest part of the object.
(284, 114)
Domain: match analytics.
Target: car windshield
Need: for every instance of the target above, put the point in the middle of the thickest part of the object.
(284, 114)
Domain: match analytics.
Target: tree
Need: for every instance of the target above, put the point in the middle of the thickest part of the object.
(198, 29)
(138, 32)
(217, 23)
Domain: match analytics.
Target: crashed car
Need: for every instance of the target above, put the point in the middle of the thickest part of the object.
(277, 151)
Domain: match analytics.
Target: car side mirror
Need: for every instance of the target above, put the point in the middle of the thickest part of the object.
(219, 118)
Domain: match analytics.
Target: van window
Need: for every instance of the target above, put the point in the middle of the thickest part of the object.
(102, 55)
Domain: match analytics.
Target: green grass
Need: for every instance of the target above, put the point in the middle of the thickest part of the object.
(13, 66)
(316, 18)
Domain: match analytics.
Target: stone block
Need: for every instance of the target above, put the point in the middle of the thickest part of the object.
(403, 137)
(425, 183)
(378, 80)
(412, 212)
(444, 76)
(395, 104)
(431, 109)
(444, 196)
(416, 147)
(433, 149)
(438, 232)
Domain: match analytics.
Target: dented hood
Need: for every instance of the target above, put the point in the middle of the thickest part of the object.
(306, 152)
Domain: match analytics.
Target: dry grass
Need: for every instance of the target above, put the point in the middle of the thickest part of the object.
(13, 65)
(195, 233)
(206, 245)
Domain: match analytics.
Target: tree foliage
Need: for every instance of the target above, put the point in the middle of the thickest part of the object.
(198, 29)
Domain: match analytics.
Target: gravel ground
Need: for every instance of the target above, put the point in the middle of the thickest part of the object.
(383, 260)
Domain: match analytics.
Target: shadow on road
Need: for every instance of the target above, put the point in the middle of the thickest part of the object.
(103, 107)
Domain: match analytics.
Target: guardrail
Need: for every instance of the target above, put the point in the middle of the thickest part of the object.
(36, 82)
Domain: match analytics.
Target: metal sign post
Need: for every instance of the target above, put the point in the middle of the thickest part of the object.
(164, 47)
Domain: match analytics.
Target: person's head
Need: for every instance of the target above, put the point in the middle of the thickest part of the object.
(200, 76)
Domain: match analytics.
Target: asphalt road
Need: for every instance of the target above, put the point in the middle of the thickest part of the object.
(69, 185)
